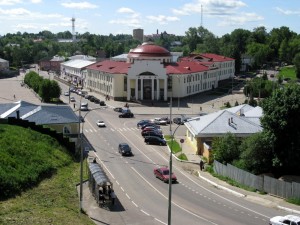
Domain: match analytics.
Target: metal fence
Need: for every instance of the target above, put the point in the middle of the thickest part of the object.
(263, 183)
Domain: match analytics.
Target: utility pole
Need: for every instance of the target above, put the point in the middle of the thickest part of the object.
(170, 166)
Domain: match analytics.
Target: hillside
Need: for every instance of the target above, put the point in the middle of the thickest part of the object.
(41, 175)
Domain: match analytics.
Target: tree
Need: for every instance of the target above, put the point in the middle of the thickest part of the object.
(226, 149)
(45, 90)
(296, 62)
(256, 154)
(281, 123)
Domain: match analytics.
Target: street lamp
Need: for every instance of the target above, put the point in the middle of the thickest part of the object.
(170, 164)
(81, 159)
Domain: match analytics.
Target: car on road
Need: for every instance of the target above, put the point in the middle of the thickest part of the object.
(96, 100)
(283, 220)
(152, 133)
(102, 103)
(100, 123)
(72, 99)
(118, 109)
(163, 173)
(160, 121)
(126, 115)
(154, 140)
(125, 149)
(84, 106)
(178, 120)
(66, 93)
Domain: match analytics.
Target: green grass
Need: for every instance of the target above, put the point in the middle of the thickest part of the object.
(295, 201)
(54, 199)
(175, 147)
(288, 72)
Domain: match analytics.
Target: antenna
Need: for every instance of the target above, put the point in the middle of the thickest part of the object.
(201, 16)
(73, 29)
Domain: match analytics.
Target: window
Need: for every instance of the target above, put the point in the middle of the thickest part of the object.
(66, 130)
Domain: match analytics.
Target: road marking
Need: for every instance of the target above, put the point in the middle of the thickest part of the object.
(145, 212)
(160, 221)
(134, 204)
(172, 201)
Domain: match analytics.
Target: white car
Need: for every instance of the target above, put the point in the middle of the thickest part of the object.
(67, 93)
(100, 123)
(160, 121)
(283, 220)
(72, 99)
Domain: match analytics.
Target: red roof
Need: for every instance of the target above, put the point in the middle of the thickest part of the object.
(206, 57)
(217, 58)
(185, 67)
(110, 66)
(148, 50)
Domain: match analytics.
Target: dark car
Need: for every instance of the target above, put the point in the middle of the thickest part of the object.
(126, 115)
(96, 100)
(102, 103)
(150, 124)
(92, 98)
(142, 123)
(163, 173)
(178, 120)
(151, 133)
(124, 149)
(154, 140)
(151, 128)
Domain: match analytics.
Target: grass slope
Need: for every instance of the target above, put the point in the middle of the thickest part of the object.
(54, 200)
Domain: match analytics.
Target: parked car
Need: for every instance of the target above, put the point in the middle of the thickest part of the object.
(154, 140)
(84, 106)
(92, 99)
(166, 119)
(163, 173)
(118, 109)
(142, 123)
(150, 124)
(100, 123)
(283, 220)
(102, 103)
(87, 96)
(124, 149)
(126, 115)
(72, 99)
(151, 128)
(66, 93)
(160, 121)
(151, 133)
(96, 101)
(178, 120)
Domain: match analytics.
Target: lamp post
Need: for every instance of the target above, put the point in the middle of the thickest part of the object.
(170, 164)
(81, 159)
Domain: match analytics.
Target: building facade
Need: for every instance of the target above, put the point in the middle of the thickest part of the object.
(149, 73)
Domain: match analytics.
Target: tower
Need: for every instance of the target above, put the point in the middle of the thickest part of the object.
(73, 29)
(138, 34)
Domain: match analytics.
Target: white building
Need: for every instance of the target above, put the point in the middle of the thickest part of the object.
(149, 73)
(75, 70)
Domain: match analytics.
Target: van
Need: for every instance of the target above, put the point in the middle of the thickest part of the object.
(84, 106)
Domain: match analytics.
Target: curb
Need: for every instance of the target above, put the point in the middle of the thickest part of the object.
(221, 187)
(288, 209)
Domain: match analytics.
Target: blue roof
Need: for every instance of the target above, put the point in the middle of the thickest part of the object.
(44, 114)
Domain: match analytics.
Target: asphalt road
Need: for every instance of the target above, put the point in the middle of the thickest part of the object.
(143, 199)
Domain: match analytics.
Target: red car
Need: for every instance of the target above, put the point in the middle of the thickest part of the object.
(163, 174)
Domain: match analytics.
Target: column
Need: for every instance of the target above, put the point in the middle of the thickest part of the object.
(142, 85)
(136, 89)
(158, 89)
(166, 89)
(152, 88)
(128, 89)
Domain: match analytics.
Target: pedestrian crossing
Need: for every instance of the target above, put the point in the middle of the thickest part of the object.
(121, 129)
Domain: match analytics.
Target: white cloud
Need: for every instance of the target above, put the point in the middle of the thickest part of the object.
(161, 19)
(210, 7)
(36, 1)
(128, 22)
(24, 14)
(79, 5)
(9, 2)
(240, 19)
(125, 10)
(287, 12)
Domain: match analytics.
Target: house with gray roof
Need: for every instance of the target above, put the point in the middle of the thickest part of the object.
(58, 117)
(242, 121)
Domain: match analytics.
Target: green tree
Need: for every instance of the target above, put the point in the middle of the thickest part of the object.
(256, 154)
(45, 90)
(55, 91)
(296, 62)
(281, 123)
(226, 149)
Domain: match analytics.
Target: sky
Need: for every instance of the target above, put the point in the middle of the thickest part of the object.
(106, 17)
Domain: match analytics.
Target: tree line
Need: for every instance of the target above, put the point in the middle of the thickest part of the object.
(280, 45)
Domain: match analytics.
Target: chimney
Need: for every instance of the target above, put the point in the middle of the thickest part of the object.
(231, 120)
(228, 121)
(18, 114)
